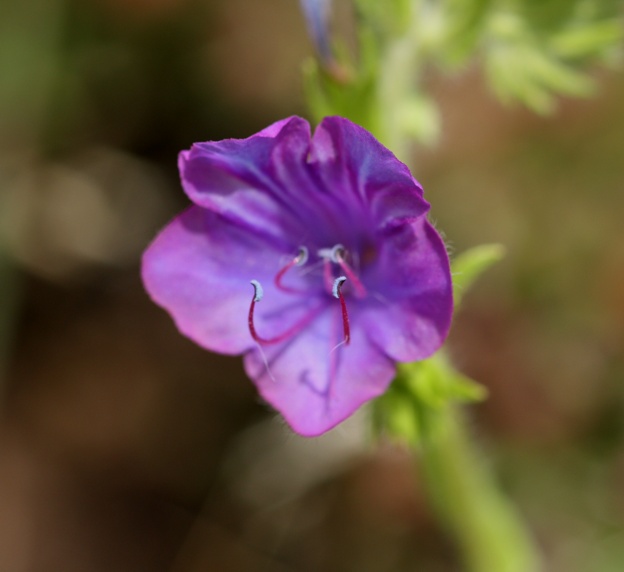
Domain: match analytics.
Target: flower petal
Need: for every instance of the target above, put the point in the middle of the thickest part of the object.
(412, 306)
(349, 159)
(242, 178)
(313, 383)
(199, 268)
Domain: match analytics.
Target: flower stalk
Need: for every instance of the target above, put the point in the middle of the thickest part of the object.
(484, 523)
(421, 410)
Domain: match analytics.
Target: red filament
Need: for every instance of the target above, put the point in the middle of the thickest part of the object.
(293, 330)
(336, 290)
(360, 291)
(328, 277)
(333, 286)
(336, 254)
(298, 260)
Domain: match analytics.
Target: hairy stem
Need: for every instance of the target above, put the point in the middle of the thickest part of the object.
(485, 525)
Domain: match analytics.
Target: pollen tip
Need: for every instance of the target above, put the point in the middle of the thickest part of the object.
(258, 291)
(303, 256)
(333, 254)
(337, 284)
(336, 252)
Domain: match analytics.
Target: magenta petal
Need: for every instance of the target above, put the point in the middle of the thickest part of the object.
(411, 317)
(350, 158)
(198, 268)
(237, 177)
(314, 384)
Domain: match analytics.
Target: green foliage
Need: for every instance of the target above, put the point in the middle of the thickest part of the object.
(387, 19)
(347, 96)
(469, 265)
(464, 494)
(347, 89)
(465, 24)
(410, 410)
(531, 51)
(534, 51)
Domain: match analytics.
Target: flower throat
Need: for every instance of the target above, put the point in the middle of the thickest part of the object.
(331, 257)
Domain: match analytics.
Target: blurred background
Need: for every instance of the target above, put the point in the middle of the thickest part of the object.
(125, 447)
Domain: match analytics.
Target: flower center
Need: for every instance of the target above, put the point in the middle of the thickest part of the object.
(299, 260)
(337, 255)
(330, 257)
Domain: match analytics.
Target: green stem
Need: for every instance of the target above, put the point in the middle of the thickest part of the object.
(486, 526)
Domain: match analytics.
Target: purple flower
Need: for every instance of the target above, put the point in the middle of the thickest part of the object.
(347, 275)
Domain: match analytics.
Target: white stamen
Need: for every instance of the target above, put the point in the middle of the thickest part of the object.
(302, 257)
(334, 254)
(337, 284)
(258, 291)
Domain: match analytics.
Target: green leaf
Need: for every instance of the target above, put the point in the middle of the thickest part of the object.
(436, 382)
(411, 409)
(466, 21)
(469, 265)
(556, 76)
(534, 50)
(582, 41)
(464, 389)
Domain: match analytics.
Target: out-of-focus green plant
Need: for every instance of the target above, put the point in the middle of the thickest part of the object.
(531, 51)
(29, 40)
(534, 51)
